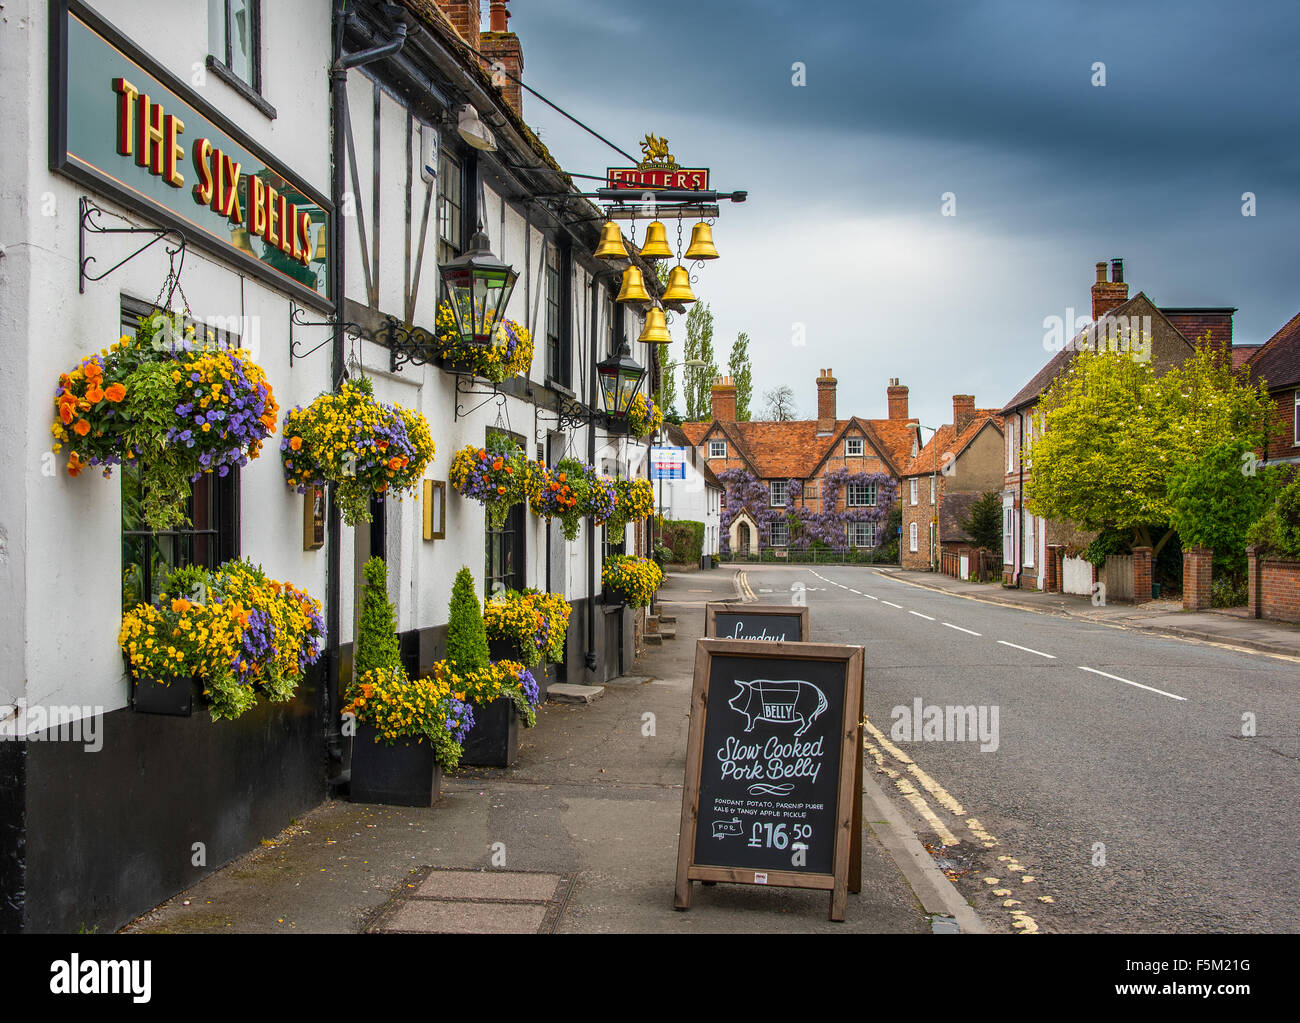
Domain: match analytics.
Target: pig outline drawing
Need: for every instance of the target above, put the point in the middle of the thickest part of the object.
(728, 829)
(781, 702)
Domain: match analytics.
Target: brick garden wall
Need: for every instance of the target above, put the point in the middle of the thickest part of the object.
(1274, 589)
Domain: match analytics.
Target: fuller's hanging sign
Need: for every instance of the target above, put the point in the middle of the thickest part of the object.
(127, 127)
(658, 170)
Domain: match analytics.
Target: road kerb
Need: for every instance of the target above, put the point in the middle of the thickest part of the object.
(933, 890)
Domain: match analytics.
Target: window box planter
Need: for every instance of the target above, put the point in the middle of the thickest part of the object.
(404, 774)
(176, 697)
(494, 739)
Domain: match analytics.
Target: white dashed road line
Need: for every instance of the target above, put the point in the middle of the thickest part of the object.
(919, 615)
(960, 629)
(1139, 685)
(892, 604)
(1027, 649)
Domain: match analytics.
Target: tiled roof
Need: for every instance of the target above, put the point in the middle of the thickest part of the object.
(1241, 354)
(1278, 361)
(793, 449)
(1041, 380)
(946, 439)
(953, 509)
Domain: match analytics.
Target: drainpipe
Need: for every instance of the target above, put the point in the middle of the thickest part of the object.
(1020, 499)
(590, 659)
(334, 742)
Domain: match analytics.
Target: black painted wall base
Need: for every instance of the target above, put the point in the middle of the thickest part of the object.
(90, 840)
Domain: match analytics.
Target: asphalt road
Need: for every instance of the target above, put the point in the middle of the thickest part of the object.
(1122, 795)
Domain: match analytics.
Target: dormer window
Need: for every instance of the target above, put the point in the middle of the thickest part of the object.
(853, 447)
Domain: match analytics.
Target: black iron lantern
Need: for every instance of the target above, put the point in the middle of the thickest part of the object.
(479, 286)
(620, 377)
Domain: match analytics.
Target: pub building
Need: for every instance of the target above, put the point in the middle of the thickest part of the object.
(291, 176)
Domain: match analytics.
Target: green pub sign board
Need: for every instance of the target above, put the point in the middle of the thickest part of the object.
(122, 124)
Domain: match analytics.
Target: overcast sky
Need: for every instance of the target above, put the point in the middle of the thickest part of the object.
(991, 100)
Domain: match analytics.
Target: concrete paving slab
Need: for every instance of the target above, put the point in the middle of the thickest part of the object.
(484, 884)
(567, 692)
(428, 916)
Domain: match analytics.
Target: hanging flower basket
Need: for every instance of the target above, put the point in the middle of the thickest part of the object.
(238, 633)
(631, 578)
(570, 492)
(172, 404)
(493, 475)
(636, 501)
(510, 355)
(533, 624)
(644, 417)
(363, 447)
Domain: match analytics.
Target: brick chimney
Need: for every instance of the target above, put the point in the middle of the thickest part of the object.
(897, 394)
(723, 394)
(963, 411)
(825, 402)
(1106, 295)
(501, 46)
(464, 17)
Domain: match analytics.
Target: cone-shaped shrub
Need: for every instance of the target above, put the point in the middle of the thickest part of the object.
(377, 645)
(467, 645)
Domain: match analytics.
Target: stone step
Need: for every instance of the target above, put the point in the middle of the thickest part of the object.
(667, 619)
(653, 639)
(651, 623)
(567, 692)
(668, 633)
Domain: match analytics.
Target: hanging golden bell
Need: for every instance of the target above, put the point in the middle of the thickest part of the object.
(633, 289)
(611, 242)
(656, 241)
(240, 239)
(679, 286)
(322, 253)
(656, 328)
(701, 242)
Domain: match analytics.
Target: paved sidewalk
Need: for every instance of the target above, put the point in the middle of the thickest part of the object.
(583, 829)
(1229, 626)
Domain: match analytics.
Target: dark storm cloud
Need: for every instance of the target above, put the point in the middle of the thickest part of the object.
(990, 100)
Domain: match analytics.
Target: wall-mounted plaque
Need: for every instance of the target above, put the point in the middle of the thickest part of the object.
(435, 509)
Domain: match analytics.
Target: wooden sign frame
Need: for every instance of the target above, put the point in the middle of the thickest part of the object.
(712, 610)
(846, 872)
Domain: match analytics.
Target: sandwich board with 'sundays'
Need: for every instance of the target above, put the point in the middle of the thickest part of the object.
(773, 785)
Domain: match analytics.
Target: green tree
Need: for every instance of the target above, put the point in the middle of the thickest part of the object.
(467, 645)
(377, 645)
(984, 523)
(1115, 433)
(666, 399)
(741, 370)
(699, 379)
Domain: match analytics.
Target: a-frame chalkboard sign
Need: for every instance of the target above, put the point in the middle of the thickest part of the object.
(773, 788)
(774, 623)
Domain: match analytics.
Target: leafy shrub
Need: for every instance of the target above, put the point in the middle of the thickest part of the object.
(377, 644)
(684, 538)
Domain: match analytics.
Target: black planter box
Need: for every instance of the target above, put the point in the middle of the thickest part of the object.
(178, 699)
(494, 739)
(504, 650)
(404, 774)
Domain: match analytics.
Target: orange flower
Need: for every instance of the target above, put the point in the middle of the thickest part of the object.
(66, 412)
(497, 464)
(561, 478)
(75, 465)
(115, 392)
(92, 371)
(501, 490)
(94, 394)
(295, 443)
(82, 428)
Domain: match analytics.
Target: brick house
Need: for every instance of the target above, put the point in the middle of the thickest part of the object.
(1172, 335)
(961, 461)
(800, 462)
(1277, 362)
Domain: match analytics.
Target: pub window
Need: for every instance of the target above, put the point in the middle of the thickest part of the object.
(504, 554)
(235, 39)
(853, 447)
(211, 535)
(559, 359)
(451, 215)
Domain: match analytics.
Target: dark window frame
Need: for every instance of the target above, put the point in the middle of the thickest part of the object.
(559, 347)
(220, 493)
(223, 66)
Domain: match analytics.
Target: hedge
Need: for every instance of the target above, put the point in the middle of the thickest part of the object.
(684, 537)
